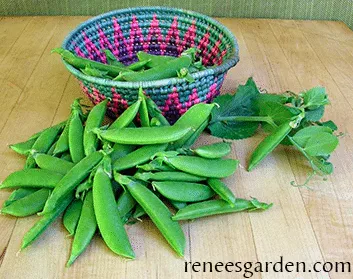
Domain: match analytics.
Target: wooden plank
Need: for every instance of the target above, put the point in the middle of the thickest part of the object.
(329, 205)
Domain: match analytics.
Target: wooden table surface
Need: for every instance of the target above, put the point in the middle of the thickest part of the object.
(303, 225)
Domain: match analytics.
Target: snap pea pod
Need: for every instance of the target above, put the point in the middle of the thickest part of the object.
(215, 168)
(183, 191)
(36, 135)
(51, 149)
(145, 122)
(72, 215)
(137, 66)
(169, 176)
(139, 156)
(76, 138)
(86, 227)
(178, 204)
(83, 187)
(194, 117)
(72, 179)
(162, 71)
(155, 165)
(28, 205)
(23, 148)
(94, 120)
(112, 60)
(144, 135)
(214, 151)
(19, 194)
(155, 112)
(66, 157)
(44, 222)
(213, 207)
(269, 144)
(30, 162)
(222, 190)
(157, 211)
(33, 178)
(126, 117)
(121, 150)
(125, 204)
(195, 135)
(138, 212)
(107, 214)
(53, 164)
(82, 63)
(153, 60)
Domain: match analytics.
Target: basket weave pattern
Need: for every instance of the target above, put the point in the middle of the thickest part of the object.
(160, 31)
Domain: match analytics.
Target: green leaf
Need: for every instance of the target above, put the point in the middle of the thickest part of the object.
(233, 130)
(322, 166)
(302, 136)
(277, 98)
(315, 114)
(315, 98)
(329, 124)
(321, 144)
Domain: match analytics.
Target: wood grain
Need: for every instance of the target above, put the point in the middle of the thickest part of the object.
(303, 225)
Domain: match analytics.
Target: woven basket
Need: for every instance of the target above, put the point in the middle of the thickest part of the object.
(161, 31)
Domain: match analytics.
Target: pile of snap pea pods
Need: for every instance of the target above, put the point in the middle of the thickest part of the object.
(149, 67)
(102, 177)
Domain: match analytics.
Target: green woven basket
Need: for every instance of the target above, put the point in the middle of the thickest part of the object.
(161, 31)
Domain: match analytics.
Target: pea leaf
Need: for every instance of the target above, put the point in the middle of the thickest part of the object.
(302, 136)
(315, 114)
(315, 98)
(321, 144)
(277, 98)
(329, 124)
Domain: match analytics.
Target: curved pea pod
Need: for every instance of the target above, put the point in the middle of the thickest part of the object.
(44, 222)
(23, 148)
(143, 111)
(53, 164)
(157, 211)
(108, 218)
(169, 176)
(137, 66)
(213, 207)
(125, 204)
(28, 205)
(72, 215)
(112, 60)
(222, 190)
(194, 117)
(153, 60)
(155, 165)
(162, 71)
(51, 149)
(19, 194)
(33, 178)
(195, 135)
(183, 191)
(269, 144)
(139, 156)
(94, 120)
(85, 230)
(215, 168)
(214, 151)
(127, 116)
(144, 135)
(121, 150)
(72, 179)
(178, 204)
(155, 112)
(76, 138)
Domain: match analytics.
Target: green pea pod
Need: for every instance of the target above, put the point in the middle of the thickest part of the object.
(28, 205)
(213, 207)
(83, 187)
(222, 190)
(51, 149)
(30, 162)
(144, 135)
(155, 112)
(145, 122)
(138, 212)
(125, 204)
(51, 163)
(162, 71)
(195, 135)
(94, 120)
(139, 156)
(32, 178)
(137, 66)
(121, 150)
(155, 165)
(71, 180)
(153, 60)
(112, 60)
(82, 63)
(62, 145)
(76, 138)
(157, 211)
(108, 218)
(215, 168)
(126, 117)
(72, 215)
(169, 176)
(178, 204)
(194, 117)
(44, 222)
(183, 191)
(36, 135)
(214, 151)
(23, 148)
(66, 157)
(269, 144)
(19, 194)
(86, 227)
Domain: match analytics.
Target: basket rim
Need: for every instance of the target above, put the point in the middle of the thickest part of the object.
(224, 67)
